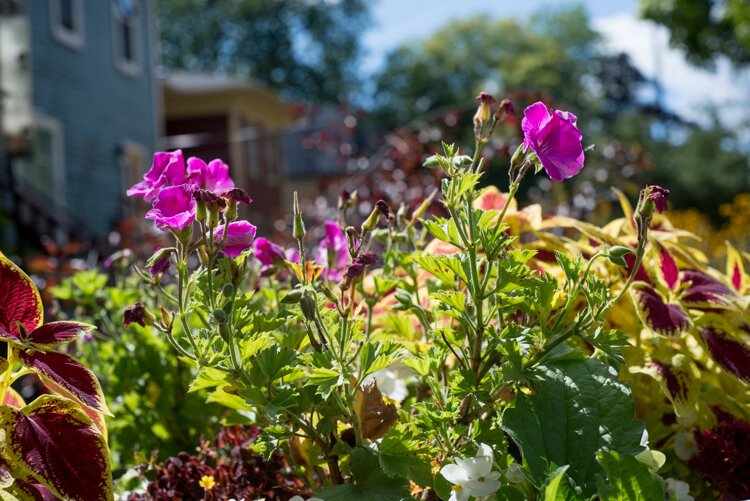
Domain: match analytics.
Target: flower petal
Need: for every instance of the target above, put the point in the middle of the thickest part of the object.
(454, 473)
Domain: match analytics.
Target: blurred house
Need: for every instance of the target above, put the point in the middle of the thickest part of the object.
(239, 121)
(79, 114)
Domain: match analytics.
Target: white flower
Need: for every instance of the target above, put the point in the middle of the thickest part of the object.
(644, 439)
(678, 490)
(300, 498)
(685, 445)
(472, 476)
(390, 383)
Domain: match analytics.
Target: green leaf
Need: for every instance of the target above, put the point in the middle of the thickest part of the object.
(370, 483)
(557, 489)
(579, 409)
(437, 266)
(627, 479)
(323, 375)
(208, 377)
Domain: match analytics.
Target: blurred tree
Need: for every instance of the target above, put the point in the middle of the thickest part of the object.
(307, 49)
(550, 51)
(705, 29)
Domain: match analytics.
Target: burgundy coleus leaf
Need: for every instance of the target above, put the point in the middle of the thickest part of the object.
(676, 386)
(19, 301)
(665, 319)
(95, 416)
(729, 353)
(55, 333)
(669, 270)
(35, 491)
(68, 373)
(703, 290)
(59, 447)
(641, 274)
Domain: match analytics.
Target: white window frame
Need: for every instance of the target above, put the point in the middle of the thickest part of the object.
(131, 68)
(75, 38)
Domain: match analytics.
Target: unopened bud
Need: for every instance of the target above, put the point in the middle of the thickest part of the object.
(220, 316)
(292, 297)
(203, 256)
(166, 318)
(298, 228)
(518, 157)
(372, 221)
(308, 306)
(228, 290)
(422, 209)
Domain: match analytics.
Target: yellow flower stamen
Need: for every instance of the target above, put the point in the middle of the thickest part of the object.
(457, 488)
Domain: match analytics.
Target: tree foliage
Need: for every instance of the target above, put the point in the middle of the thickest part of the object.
(705, 29)
(306, 49)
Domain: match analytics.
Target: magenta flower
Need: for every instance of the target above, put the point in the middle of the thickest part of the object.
(555, 139)
(174, 208)
(267, 252)
(167, 170)
(240, 236)
(333, 252)
(213, 176)
(159, 261)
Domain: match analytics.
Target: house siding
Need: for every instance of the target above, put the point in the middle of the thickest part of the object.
(99, 106)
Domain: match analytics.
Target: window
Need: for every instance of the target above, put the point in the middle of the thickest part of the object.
(127, 35)
(43, 174)
(66, 22)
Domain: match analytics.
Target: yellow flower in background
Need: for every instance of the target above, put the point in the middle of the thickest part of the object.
(207, 482)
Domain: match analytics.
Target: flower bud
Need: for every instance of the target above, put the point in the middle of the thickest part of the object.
(166, 318)
(298, 228)
(294, 296)
(372, 221)
(422, 209)
(617, 255)
(227, 291)
(308, 306)
(220, 316)
(518, 157)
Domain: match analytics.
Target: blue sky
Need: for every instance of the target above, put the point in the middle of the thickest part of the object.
(687, 89)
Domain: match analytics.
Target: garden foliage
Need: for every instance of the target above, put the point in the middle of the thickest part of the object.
(488, 352)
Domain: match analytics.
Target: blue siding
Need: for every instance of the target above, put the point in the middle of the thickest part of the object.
(98, 106)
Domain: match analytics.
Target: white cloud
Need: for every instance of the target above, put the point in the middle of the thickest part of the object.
(687, 90)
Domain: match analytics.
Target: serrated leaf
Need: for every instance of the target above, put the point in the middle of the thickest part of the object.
(370, 483)
(626, 479)
(580, 408)
(436, 266)
(68, 373)
(208, 377)
(57, 444)
(20, 301)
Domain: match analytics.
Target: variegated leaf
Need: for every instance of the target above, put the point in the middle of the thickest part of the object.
(731, 354)
(56, 443)
(665, 319)
(55, 333)
(19, 301)
(703, 290)
(67, 372)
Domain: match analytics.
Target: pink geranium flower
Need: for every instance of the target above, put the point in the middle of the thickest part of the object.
(174, 208)
(167, 170)
(333, 252)
(555, 139)
(213, 176)
(268, 253)
(240, 236)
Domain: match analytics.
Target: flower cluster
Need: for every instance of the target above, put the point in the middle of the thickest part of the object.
(182, 192)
